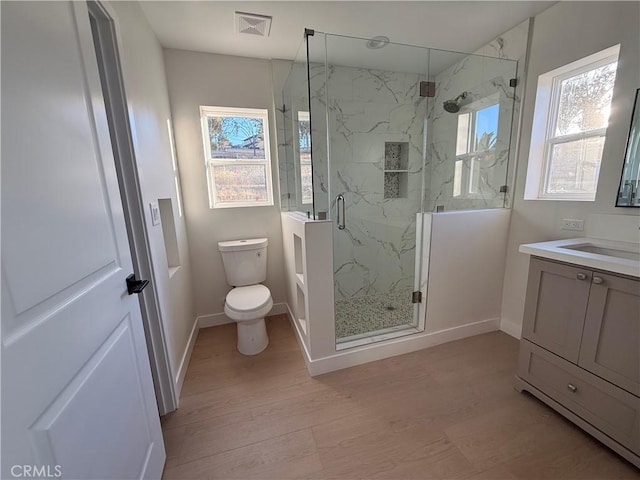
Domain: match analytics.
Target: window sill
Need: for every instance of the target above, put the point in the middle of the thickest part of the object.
(241, 205)
(560, 199)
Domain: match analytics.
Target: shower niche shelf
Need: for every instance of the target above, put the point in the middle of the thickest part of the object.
(396, 169)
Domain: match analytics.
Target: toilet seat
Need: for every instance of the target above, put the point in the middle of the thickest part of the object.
(248, 303)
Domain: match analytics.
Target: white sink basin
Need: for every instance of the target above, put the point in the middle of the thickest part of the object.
(617, 257)
(608, 251)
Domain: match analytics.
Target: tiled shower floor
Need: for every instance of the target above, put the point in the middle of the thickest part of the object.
(371, 313)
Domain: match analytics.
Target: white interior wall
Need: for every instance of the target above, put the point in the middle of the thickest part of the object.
(562, 34)
(196, 79)
(466, 267)
(146, 90)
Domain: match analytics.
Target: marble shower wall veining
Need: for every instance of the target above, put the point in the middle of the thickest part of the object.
(368, 137)
(484, 75)
(367, 111)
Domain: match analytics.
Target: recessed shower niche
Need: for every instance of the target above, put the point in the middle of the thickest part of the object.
(396, 169)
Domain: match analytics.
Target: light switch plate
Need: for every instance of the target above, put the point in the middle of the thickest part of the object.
(155, 214)
(573, 224)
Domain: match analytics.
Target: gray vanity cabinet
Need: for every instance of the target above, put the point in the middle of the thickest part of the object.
(555, 307)
(611, 338)
(580, 350)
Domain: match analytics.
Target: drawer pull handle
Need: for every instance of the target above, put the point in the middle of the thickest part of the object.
(581, 276)
(572, 387)
(598, 280)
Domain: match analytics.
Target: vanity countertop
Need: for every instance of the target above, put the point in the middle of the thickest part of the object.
(612, 256)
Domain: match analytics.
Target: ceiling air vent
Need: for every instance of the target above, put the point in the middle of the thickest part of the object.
(253, 24)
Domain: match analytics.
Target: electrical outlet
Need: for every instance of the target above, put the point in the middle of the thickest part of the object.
(573, 224)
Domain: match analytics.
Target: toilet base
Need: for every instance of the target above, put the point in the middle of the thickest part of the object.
(252, 336)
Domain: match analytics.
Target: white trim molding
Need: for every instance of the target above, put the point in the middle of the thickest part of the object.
(544, 135)
(215, 319)
(511, 328)
(184, 362)
(389, 348)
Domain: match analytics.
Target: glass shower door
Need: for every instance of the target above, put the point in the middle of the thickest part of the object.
(368, 175)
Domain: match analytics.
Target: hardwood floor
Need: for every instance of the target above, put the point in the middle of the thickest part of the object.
(448, 412)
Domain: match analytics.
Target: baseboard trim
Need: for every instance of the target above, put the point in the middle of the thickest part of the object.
(299, 337)
(511, 328)
(279, 309)
(216, 319)
(184, 363)
(213, 320)
(365, 353)
(395, 346)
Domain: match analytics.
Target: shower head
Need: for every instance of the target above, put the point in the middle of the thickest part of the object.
(453, 106)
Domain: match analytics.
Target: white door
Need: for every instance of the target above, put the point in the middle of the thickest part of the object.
(77, 395)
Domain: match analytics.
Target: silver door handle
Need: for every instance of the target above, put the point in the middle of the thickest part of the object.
(340, 219)
(581, 276)
(597, 280)
(572, 387)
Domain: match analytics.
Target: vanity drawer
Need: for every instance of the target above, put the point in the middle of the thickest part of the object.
(605, 406)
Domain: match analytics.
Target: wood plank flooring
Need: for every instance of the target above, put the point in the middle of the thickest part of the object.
(448, 412)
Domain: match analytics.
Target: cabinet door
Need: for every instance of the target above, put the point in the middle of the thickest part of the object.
(555, 306)
(611, 339)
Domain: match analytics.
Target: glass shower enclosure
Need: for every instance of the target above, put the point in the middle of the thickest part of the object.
(375, 137)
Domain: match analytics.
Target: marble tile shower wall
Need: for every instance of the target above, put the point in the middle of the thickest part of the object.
(367, 109)
(482, 77)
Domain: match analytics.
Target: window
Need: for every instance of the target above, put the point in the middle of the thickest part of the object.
(476, 137)
(570, 125)
(238, 160)
(304, 148)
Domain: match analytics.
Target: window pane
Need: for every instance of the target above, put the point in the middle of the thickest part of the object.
(474, 175)
(457, 178)
(486, 127)
(304, 147)
(462, 140)
(236, 137)
(574, 166)
(307, 185)
(240, 183)
(585, 100)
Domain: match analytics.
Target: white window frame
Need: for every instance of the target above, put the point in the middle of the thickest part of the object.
(260, 113)
(545, 118)
(473, 156)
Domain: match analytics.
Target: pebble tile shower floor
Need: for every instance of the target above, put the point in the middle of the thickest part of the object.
(371, 313)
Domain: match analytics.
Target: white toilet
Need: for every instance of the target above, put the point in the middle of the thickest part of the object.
(245, 265)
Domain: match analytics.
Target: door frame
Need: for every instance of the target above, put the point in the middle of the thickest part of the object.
(122, 128)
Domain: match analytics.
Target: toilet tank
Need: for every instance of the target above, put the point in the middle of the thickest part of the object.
(245, 261)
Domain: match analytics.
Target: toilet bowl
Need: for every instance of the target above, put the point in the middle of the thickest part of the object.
(247, 306)
(245, 266)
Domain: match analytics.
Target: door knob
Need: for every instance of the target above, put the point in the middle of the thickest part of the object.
(597, 280)
(134, 285)
(581, 276)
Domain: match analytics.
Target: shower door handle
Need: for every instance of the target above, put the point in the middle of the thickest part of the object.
(340, 219)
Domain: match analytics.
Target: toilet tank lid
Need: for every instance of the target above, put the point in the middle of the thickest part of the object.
(239, 245)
